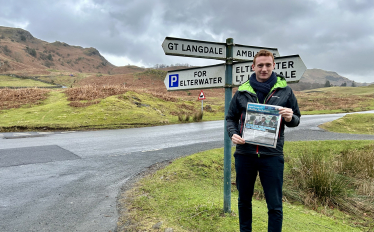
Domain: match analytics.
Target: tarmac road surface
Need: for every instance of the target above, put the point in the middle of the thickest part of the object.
(70, 181)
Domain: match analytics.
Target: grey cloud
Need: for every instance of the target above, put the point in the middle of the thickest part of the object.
(336, 35)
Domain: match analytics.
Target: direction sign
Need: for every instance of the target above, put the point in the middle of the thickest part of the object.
(194, 48)
(245, 53)
(196, 78)
(291, 67)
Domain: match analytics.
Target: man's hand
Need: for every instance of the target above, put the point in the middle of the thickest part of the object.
(236, 139)
(286, 113)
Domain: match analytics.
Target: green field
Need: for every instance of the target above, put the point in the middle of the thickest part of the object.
(64, 80)
(127, 110)
(8, 81)
(364, 90)
(140, 108)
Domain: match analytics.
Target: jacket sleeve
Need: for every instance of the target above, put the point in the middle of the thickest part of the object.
(233, 116)
(292, 103)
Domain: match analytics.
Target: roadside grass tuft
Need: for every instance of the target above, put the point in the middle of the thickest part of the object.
(332, 174)
(198, 116)
(187, 195)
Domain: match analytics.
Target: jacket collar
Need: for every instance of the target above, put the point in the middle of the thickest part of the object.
(246, 86)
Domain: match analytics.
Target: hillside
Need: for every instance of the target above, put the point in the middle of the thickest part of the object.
(23, 54)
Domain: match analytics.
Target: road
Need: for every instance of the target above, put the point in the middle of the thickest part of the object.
(70, 181)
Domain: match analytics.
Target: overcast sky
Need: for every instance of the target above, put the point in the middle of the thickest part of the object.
(334, 35)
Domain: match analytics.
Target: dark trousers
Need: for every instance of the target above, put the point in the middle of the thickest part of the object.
(270, 169)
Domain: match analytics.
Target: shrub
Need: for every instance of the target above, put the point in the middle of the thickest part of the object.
(6, 50)
(48, 63)
(31, 51)
(198, 116)
(316, 177)
(357, 163)
(15, 98)
(91, 93)
(183, 117)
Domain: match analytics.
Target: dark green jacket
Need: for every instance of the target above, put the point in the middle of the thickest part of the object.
(280, 95)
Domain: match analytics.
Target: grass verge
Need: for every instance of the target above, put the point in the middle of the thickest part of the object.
(352, 124)
(188, 195)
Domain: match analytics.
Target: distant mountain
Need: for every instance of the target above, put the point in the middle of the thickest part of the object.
(321, 76)
(316, 78)
(23, 54)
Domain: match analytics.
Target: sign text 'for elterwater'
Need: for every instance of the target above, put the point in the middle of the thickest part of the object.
(196, 78)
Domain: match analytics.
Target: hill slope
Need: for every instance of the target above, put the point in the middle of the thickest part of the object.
(23, 54)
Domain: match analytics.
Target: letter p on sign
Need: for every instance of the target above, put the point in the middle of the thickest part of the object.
(173, 80)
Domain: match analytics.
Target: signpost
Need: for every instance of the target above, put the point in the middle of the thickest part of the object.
(225, 76)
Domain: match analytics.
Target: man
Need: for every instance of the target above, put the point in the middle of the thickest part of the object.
(265, 87)
(262, 122)
(273, 122)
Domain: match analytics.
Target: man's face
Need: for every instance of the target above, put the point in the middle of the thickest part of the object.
(263, 68)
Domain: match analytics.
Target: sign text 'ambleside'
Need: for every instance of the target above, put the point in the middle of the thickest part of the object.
(243, 52)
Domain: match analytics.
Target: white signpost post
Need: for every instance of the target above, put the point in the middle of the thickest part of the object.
(225, 75)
